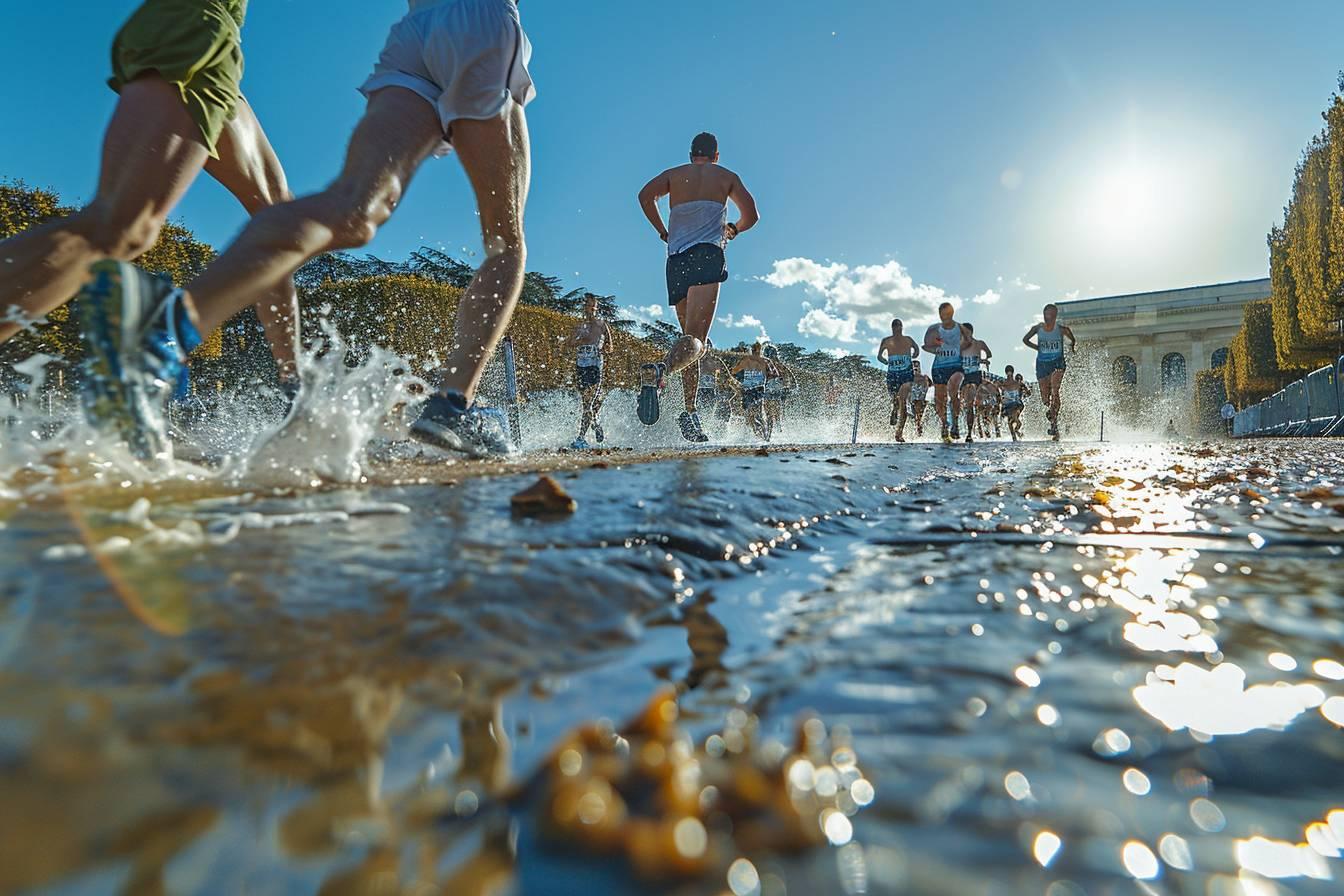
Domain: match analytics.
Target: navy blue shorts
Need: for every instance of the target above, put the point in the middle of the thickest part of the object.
(752, 397)
(588, 377)
(1046, 367)
(942, 373)
(898, 378)
(1012, 406)
(700, 265)
(972, 379)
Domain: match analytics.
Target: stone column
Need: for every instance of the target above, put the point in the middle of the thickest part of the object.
(1198, 358)
(1150, 370)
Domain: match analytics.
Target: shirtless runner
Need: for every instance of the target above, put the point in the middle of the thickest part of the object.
(899, 353)
(591, 342)
(177, 68)
(697, 231)
(1050, 365)
(752, 372)
(451, 72)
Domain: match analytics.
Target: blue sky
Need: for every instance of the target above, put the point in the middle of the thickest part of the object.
(899, 153)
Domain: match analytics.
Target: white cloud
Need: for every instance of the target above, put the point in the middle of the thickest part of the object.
(1072, 294)
(836, 352)
(861, 298)
(644, 314)
(746, 322)
(817, 322)
(1031, 287)
(988, 297)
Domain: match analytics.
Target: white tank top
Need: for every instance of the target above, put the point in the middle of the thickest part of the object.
(949, 347)
(898, 363)
(590, 356)
(753, 379)
(693, 223)
(1051, 342)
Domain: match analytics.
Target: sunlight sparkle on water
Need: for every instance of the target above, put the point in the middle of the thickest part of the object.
(1139, 860)
(1216, 701)
(1278, 859)
(1046, 847)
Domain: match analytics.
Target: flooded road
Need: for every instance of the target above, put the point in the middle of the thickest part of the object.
(1087, 669)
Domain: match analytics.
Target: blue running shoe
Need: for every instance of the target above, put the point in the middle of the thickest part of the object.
(137, 336)
(447, 421)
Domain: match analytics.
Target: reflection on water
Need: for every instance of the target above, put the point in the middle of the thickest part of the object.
(1061, 674)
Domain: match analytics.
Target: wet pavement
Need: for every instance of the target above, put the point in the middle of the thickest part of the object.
(1061, 669)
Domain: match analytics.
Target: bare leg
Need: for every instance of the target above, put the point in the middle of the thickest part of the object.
(954, 390)
(248, 168)
(497, 155)
(940, 404)
(398, 131)
(589, 398)
(918, 411)
(696, 315)
(152, 152)
(1056, 387)
(902, 396)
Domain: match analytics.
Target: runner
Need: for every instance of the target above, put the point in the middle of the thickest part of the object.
(592, 343)
(177, 68)
(450, 71)
(696, 234)
(752, 372)
(919, 394)
(1049, 347)
(945, 341)
(987, 405)
(972, 351)
(778, 385)
(707, 391)
(1013, 402)
(898, 351)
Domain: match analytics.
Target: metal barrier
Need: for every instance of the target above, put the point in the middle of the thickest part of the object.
(1322, 401)
(1311, 406)
(1298, 413)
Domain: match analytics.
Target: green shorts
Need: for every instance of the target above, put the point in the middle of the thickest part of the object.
(194, 44)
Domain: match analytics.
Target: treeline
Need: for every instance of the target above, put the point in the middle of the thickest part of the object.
(1298, 328)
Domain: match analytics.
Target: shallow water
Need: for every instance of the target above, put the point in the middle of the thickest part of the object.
(1099, 669)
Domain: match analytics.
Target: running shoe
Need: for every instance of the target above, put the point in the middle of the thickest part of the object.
(699, 427)
(691, 430)
(137, 336)
(579, 444)
(650, 385)
(447, 421)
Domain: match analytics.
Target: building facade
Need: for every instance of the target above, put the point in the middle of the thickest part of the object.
(1158, 341)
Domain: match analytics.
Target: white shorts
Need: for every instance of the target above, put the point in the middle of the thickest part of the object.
(467, 58)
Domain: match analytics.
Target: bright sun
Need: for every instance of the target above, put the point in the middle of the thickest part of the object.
(1124, 203)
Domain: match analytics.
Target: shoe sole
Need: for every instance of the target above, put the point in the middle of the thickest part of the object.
(115, 401)
(649, 409)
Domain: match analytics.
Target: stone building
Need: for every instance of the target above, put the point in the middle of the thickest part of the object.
(1158, 341)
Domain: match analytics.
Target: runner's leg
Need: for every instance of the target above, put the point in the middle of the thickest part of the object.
(248, 168)
(152, 152)
(399, 130)
(695, 313)
(1056, 386)
(902, 396)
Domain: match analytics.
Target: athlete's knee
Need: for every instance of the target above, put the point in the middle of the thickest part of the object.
(356, 211)
(120, 232)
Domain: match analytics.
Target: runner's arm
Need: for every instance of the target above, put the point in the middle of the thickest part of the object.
(654, 190)
(1073, 343)
(607, 338)
(1026, 340)
(882, 352)
(747, 214)
(985, 345)
(931, 341)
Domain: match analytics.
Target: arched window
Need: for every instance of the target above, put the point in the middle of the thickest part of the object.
(1173, 372)
(1125, 371)
(1219, 358)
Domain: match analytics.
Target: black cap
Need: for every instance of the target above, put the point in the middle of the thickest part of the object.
(705, 145)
